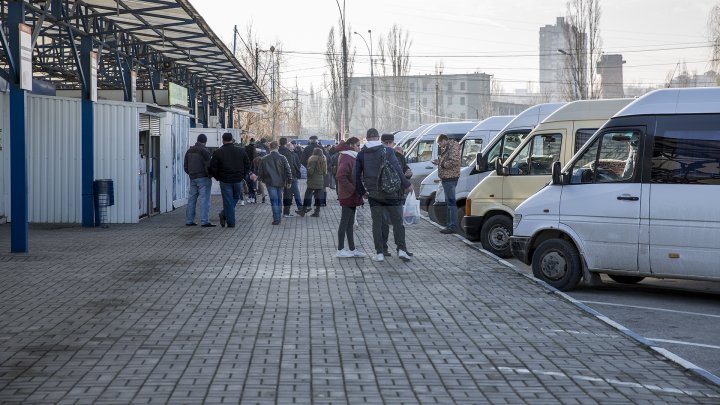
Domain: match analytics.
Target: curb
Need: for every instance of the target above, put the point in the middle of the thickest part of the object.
(668, 355)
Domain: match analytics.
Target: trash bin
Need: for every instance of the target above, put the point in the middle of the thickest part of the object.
(104, 197)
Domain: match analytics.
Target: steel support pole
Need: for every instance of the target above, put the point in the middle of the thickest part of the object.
(193, 104)
(88, 134)
(206, 111)
(18, 148)
(372, 83)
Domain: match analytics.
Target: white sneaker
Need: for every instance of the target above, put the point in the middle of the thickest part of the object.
(379, 257)
(242, 203)
(403, 256)
(358, 253)
(344, 253)
(251, 201)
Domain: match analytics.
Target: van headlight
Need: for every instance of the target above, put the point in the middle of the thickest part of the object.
(516, 221)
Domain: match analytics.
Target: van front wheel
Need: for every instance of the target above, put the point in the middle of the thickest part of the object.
(495, 235)
(557, 262)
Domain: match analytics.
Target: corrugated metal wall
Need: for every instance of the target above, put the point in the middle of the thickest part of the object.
(180, 182)
(117, 157)
(53, 145)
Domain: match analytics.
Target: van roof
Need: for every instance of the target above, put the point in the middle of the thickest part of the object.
(532, 116)
(588, 110)
(449, 127)
(495, 123)
(702, 100)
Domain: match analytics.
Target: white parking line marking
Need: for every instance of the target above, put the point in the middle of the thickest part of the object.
(612, 304)
(680, 342)
(610, 381)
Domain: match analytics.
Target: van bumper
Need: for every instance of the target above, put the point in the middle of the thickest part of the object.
(425, 202)
(472, 225)
(520, 247)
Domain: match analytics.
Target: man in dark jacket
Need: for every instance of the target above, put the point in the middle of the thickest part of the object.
(309, 149)
(229, 165)
(389, 141)
(276, 174)
(286, 149)
(365, 175)
(251, 184)
(197, 160)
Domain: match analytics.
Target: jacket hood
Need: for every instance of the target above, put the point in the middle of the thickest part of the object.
(373, 145)
(342, 147)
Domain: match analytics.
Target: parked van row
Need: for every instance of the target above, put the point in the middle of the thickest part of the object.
(639, 199)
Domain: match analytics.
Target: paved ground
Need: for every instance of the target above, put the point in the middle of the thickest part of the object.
(160, 312)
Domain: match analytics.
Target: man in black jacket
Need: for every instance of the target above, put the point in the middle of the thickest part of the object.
(229, 165)
(286, 149)
(365, 176)
(197, 160)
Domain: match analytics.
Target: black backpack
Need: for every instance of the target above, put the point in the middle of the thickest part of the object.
(388, 179)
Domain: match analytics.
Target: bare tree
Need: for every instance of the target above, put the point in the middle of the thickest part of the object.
(334, 59)
(582, 31)
(265, 66)
(714, 33)
(394, 61)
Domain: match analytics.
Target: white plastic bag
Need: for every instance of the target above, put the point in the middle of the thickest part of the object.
(411, 210)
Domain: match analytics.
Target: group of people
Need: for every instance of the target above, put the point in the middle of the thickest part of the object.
(376, 173)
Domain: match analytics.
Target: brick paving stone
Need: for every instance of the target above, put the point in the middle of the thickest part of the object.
(157, 312)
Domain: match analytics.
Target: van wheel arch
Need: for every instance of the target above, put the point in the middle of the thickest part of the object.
(546, 235)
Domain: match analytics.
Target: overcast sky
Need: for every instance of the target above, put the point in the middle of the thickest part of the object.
(498, 37)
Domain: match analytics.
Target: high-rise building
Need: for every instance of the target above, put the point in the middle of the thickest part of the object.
(553, 42)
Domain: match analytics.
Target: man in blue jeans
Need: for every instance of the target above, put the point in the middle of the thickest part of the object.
(229, 165)
(448, 162)
(275, 172)
(197, 160)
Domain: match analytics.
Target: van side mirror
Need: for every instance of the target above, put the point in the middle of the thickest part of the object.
(557, 177)
(481, 164)
(500, 169)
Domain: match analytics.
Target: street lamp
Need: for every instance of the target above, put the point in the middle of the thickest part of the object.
(372, 76)
(346, 89)
(573, 65)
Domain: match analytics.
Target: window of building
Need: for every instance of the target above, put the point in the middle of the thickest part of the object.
(412, 101)
(425, 86)
(462, 100)
(424, 103)
(449, 100)
(362, 103)
(412, 87)
(462, 86)
(449, 86)
(463, 116)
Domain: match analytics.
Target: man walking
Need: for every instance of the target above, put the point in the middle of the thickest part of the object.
(197, 161)
(448, 162)
(276, 174)
(229, 165)
(369, 164)
(286, 149)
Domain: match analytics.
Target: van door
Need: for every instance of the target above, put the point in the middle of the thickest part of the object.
(601, 203)
(684, 190)
(531, 168)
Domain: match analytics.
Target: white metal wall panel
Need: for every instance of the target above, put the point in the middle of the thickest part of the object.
(181, 182)
(4, 155)
(53, 149)
(117, 146)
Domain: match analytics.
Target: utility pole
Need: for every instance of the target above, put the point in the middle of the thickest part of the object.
(346, 88)
(257, 57)
(437, 98)
(235, 32)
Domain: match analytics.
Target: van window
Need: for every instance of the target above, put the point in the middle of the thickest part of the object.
(505, 146)
(422, 152)
(611, 158)
(687, 152)
(538, 155)
(582, 136)
(470, 148)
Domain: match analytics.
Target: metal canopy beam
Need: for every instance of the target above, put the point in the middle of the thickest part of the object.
(168, 33)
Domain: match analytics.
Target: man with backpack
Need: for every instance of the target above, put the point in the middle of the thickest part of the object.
(379, 178)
